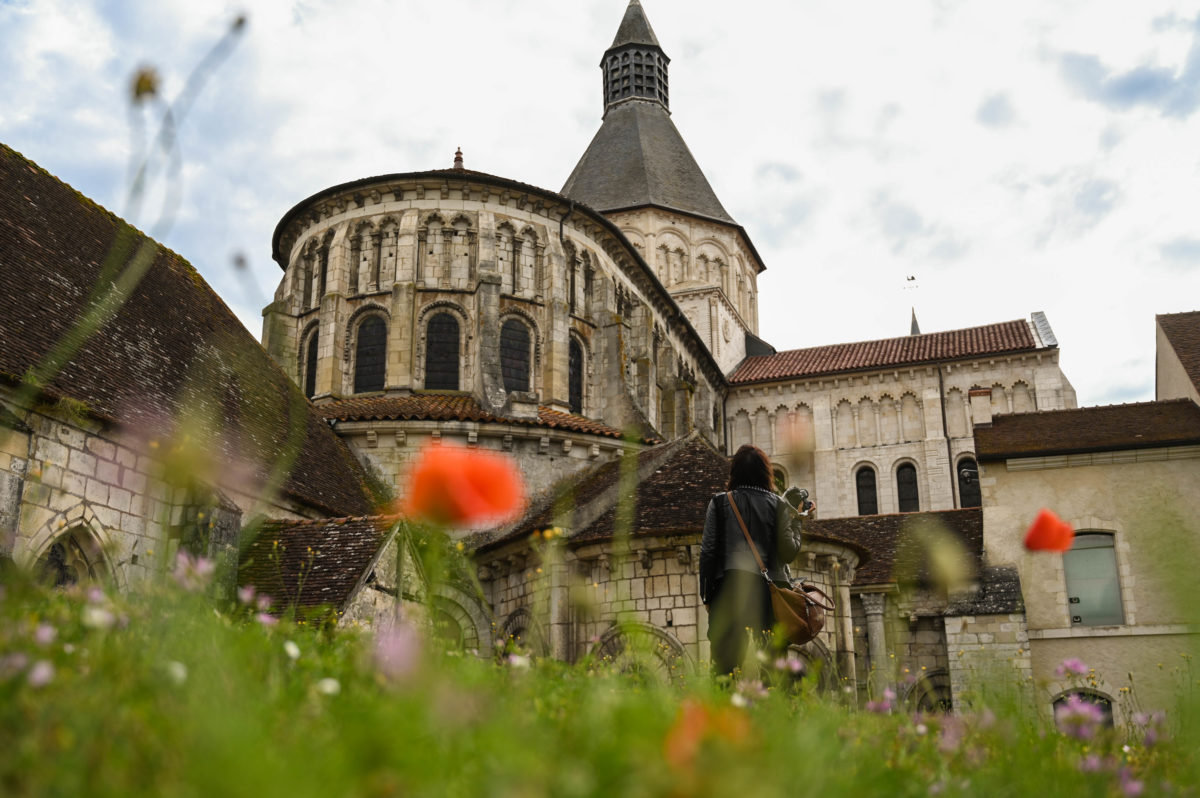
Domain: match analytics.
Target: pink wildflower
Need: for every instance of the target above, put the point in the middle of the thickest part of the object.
(1079, 718)
(193, 573)
(41, 674)
(884, 706)
(1129, 785)
(245, 594)
(1072, 666)
(265, 619)
(398, 649)
(44, 634)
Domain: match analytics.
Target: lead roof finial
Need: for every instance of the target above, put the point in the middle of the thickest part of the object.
(458, 162)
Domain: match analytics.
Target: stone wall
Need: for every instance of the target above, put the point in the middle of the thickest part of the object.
(71, 478)
(988, 654)
(409, 249)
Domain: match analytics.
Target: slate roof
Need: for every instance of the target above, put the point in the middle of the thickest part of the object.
(677, 479)
(635, 28)
(304, 565)
(910, 350)
(455, 407)
(638, 158)
(886, 540)
(998, 593)
(673, 498)
(1143, 425)
(171, 351)
(1183, 331)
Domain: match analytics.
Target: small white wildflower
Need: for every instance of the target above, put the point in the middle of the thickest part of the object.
(738, 700)
(293, 650)
(177, 672)
(922, 728)
(95, 617)
(518, 661)
(328, 686)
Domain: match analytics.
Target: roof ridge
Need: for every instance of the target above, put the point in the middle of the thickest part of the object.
(894, 338)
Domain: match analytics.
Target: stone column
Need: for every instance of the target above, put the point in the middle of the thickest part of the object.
(881, 671)
(844, 624)
(560, 611)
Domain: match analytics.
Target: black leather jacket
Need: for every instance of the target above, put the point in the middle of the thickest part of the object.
(773, 525)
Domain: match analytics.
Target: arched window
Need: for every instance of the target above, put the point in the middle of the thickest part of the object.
(514, 355)
(370, 355)
(864, 483)
(968, 483)
(441, 353)
(779, 478)
(1086, 706)
(575, 370)
(906, 489)
(1093, 590)
(310, 365)
(70, 560)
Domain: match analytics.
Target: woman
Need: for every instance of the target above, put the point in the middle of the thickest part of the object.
(731, 585)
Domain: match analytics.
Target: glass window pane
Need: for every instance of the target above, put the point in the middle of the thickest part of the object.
(864, 480)
(1093, 590)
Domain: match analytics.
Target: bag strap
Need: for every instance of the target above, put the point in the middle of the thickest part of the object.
(746, 532)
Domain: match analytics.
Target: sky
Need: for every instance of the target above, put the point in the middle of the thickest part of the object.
(974, 161)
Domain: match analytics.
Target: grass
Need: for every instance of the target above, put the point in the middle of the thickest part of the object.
(169, 694)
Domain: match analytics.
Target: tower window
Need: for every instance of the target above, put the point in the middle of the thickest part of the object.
(514, 355)
(906, 489)
(575, 369)
(864, 483)
(441, 353)
(370, 355)
(310, 366)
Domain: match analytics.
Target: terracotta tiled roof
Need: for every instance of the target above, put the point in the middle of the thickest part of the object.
(303, 565)
(172, 350)
(454, 407)
(991, 339)
(1089, 429)
(885, 538)
(1183, 331)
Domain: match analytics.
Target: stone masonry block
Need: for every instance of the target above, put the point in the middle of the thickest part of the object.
(54, 453)
(97, 492)
(82, 463)
(101, 448)
(108, 472)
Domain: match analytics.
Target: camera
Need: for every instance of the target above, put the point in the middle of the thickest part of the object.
(798, 499)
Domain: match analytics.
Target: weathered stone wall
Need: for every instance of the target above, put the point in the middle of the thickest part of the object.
(710, 270)
(988, 653)
(1147, 499)
(403, 252)
(824, 430)
(74, 476)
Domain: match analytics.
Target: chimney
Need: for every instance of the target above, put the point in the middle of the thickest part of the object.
(981, 405)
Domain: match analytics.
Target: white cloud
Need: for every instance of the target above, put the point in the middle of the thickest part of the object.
(845, 138)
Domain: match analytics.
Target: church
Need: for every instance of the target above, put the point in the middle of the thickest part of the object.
(606, 337)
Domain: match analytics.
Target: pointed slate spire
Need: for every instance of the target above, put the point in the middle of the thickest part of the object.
(638, 158)
(635, 28)
(634, 66)
(916, 328)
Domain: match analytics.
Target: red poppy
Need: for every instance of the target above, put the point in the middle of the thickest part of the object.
(1048, 532)
(463, 487)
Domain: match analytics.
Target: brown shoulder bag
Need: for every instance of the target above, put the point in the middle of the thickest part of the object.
(799, 610)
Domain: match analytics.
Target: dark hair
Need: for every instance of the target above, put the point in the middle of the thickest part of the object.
(750, 468)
